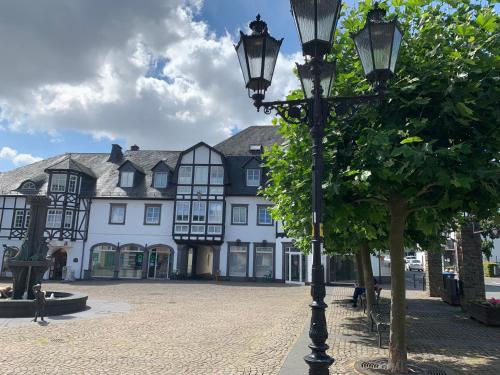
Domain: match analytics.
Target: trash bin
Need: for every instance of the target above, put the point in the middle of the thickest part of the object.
(450, 289)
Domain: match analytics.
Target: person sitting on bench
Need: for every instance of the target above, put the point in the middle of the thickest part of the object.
(359, 291)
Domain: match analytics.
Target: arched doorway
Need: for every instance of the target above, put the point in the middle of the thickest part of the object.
(58, 262)
(131, 260)
(103, 260)
(160, 260)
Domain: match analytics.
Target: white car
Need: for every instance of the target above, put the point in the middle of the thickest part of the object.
(414, 265)
(410, 258)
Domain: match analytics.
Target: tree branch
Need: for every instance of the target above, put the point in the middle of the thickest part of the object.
(424, 190)
(422, 208)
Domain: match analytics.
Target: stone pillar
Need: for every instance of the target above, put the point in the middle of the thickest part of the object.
(434, 273)
(470, 265)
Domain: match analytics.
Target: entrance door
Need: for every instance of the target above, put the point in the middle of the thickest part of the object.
(59, 259)
(159, 260)
(295, 266)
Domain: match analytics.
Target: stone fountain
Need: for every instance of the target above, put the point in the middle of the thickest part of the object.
(28, 267)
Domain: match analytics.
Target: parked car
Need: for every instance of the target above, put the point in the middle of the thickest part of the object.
(409, 258)
(414, 265)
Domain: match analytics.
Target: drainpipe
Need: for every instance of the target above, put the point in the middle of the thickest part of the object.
(83, 256)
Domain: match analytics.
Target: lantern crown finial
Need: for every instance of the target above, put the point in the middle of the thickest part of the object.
(258, 26)
(376, 14)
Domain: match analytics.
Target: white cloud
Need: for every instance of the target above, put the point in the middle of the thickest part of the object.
(16, 158)
(83, 65)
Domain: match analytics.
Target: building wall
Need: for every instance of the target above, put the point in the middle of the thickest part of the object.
(250, 233)
(133, 231)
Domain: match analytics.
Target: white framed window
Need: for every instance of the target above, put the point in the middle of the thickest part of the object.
(216, 190)
(54, 218)
(181, 229)
(152, 215)
(214, 229)
(200, 190)
(72, 184)
(18, 219)
(183, 189)
(199, 212)
(185, 174)
(216, 175)
(263, 216)
(58, 182)
(68, 219)
(117, 213)
(201, 175)
(197, 229)
(239, 215)
(238, 261)
(182, 211)
(253, 177)
(160, 180)
(215, 212)
(264, 259)
(27, 219)
(126, 179)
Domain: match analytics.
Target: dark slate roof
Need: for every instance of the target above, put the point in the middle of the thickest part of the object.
(69, 164)
(104, 175)
(239, 144)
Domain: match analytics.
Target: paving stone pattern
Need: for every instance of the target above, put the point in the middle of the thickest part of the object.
(172, 328)
(438, 334)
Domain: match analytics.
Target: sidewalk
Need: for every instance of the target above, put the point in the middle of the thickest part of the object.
(438, 334)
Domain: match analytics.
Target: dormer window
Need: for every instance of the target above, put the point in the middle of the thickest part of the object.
(255, 148)
(160, 180)
(126, 179)
(28, 185)
(58, 182)
(253, 177)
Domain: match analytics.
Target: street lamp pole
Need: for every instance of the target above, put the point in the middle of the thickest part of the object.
(377, 45)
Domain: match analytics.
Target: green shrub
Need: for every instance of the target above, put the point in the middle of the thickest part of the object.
(489, 269)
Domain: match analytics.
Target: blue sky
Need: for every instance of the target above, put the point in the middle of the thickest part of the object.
(40, 140)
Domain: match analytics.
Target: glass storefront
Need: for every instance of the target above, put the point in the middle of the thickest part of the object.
(131, 259)
(295, 266)
(103, 261)
(264, 262)
(238, 261)
(159, 263)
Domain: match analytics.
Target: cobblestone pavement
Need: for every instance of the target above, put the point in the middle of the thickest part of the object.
(172, 328)
(438, 334)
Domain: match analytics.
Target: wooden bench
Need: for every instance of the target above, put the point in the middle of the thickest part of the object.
(379, 319)
(377, 298)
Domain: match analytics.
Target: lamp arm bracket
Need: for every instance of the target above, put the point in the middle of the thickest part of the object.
(348, 105)
(292, 111)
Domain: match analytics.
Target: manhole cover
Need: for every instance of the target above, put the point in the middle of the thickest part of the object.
(379, 366)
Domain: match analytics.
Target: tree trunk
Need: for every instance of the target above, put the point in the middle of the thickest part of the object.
(397, 347)
(359, 266)
(368, 275)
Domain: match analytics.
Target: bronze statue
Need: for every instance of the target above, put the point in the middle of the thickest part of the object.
(30, 263)
(40, 302)
(6, 292)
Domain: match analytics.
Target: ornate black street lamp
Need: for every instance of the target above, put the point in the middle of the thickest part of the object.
(378, 46)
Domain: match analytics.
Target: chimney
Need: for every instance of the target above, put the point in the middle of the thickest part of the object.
(134, 148)
(116, 155)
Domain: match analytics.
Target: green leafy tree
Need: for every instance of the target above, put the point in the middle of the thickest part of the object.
(412, 163)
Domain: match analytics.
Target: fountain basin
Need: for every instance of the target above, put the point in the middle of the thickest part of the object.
(64, 303)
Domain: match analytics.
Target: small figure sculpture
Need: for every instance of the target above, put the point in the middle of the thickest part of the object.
(6, 292)
(39, 302)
